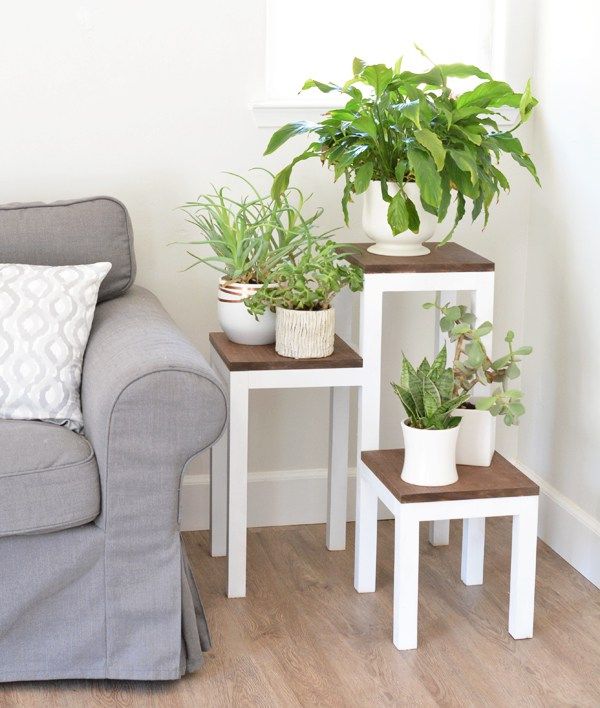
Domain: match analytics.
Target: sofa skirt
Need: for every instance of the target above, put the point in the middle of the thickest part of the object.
(72, 608)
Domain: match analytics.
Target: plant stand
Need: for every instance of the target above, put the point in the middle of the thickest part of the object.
(500, 490)
(445, 271)
(241, 369)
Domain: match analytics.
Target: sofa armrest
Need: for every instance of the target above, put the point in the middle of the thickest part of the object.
(150, 403)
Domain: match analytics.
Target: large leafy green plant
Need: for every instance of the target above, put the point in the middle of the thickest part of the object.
(250, 236)
(428, 395)
(308, 283)
(400, 126)
(472, 365)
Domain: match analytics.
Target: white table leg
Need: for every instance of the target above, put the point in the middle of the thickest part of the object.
(473, 546)
(406, 581)
(522, 571)
(365, 551)
(337, 481)
(219, 469)
(439, 531)
(369, 409)
(238, 484)
(218, 496)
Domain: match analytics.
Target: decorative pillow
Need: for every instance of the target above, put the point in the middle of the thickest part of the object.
(46, 314)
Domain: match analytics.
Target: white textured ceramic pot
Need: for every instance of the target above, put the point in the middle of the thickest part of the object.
(238, 324)
(375, 223)
(429, 456)
(305, 334)
(477, 437)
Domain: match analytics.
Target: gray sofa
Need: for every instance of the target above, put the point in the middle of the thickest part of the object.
(94, 582)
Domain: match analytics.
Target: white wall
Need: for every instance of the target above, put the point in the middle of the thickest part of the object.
(560, 435)
(150, 102)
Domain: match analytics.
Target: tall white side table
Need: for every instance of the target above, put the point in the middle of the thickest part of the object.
(241, 369)
(498, 490)
(445, 271)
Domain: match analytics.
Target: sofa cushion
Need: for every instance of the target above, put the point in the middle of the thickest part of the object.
(70, 233)
(48, 478)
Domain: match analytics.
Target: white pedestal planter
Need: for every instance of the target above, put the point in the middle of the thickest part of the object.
(238, 324)
(304, 334)
(477, 437)
(375, 223)
(429, 456)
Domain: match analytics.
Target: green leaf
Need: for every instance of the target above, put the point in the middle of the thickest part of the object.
(430, 141)
(483, 94)
(516, 408)
(281, 182)
(510, 336)
(357, 66)
(484, 329)
(325, 88)
(410, 110)
(523, 351)
(426, 175)
(363, 177)
(431, 397)
(400, 171)
(466, 162)
(397, 215)
(288, 131)
(378, 76)
(463, 71)
(513, 371)
(460, 212)
(440, 360)
(484, 404)
(525, 161)
(414, 221)
(365, 124)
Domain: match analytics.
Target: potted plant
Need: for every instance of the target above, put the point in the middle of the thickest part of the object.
(471, 366)
(407, 141)
(431, 428)
(249, 237)
(301, 293)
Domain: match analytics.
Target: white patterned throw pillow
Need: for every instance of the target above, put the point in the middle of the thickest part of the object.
(46, 314)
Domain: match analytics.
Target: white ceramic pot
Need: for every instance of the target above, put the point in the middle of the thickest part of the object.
(477, 437)
(375, 223)
(429, 456)
(305, 334)
(238, 324)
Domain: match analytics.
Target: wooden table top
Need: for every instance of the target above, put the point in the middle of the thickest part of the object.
(246, 357)
(500, 479)
(446, 259)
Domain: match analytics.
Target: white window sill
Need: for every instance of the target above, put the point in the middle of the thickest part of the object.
(275, 113)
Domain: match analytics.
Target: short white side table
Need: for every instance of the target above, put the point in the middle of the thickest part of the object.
(445, 271)
(498, 490)
(241, 369)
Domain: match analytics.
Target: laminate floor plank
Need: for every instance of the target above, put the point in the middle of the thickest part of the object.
(304, 637)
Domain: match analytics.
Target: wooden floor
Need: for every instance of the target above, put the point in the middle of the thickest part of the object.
(304, 637)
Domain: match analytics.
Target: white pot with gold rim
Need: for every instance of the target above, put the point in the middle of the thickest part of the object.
(238, 324)
(377, 228)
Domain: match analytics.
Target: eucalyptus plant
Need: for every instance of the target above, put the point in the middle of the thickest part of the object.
(428, 393)
(472, 365)
(250, 236)
(310, 282)
(399, 126)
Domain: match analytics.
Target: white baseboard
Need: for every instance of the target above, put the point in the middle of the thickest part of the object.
(299, 497)
(567, 528)
(274, 499)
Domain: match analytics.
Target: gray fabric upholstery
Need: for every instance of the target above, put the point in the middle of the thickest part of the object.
(115, 598)
(70, 233)
(48, 478)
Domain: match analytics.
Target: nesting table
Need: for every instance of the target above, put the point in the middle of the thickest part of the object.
(498, 490)
(242, 368)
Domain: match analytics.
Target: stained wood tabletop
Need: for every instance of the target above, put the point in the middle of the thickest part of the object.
(446, 259)
(246, 357)
(500, 479)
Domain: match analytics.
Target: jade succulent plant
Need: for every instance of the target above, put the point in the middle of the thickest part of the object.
(472, 364)
(428, 393)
